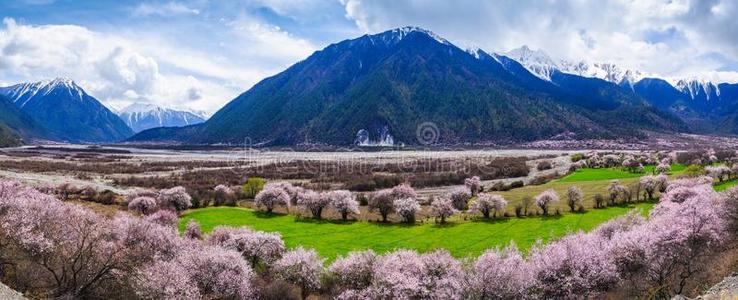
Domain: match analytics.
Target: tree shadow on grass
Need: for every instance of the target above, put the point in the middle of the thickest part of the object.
(325, 221)
(265, 215)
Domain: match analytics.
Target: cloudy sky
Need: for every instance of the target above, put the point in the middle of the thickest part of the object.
(200, 54)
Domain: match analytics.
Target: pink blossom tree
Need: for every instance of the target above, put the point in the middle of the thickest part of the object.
(459, 197)
(474, 184)
(442, 208)
(545, 199)
(270, 197)
(222, 194)
(175, 198)
(382, 201)
(404, 191)
(344, 203)
(406, 208)
(313, 202)
(303, 268)
(256, 247)
(142, 205)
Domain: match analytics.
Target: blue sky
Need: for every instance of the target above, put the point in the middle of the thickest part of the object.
(200, 54)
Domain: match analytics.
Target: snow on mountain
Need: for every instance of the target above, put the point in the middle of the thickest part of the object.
(142, 116)
(699, 88)
(542, 65)
(396, 35)
(22, 93)
(67, 111)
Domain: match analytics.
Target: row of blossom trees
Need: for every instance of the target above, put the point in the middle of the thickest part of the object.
(56, 249)
(402, 200)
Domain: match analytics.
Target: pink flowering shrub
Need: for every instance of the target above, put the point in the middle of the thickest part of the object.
(718, 172)
(406, 208)
(442, 208)
(487, 204)
(545, 199)
(474, 184)
(164, 218)
(663, 168)
(576, 265)
(175, 198)
(354, 272)
(500, 275)
(344, 203)
(142, 205)
(313, 202)
(193, 231)
(270, 197)
(405, 274)
(303, 268)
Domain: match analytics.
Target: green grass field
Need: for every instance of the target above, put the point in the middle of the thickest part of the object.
(613, 173)
(460, 237)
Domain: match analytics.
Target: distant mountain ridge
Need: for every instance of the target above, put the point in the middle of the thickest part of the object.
(142, 116)
(708, 107)
(392, 82)
(67, 112)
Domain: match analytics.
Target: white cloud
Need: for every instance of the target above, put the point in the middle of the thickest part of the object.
(120, 70)
(171, 8)
(617, 31)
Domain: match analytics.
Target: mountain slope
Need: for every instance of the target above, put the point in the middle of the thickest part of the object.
(16, 126)
(67, 111)
(140, 116)
(400, 79)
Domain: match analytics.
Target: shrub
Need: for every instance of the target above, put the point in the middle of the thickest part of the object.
(526, 202)
(363, 199)
(694, 171)
(519, 210)
(577, 157)
(544, 165)
(193, 231)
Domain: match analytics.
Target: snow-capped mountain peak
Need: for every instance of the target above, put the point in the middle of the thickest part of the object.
(536, 61)
(542, 65)
(697, 88)
(22, 93)
(142, 116)
(396, 35)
